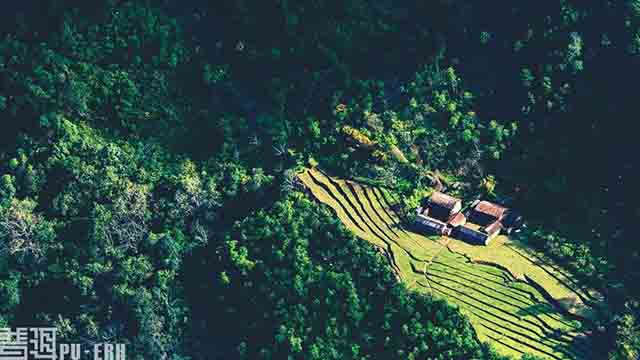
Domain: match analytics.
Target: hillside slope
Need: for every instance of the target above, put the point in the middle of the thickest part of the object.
(516, 304)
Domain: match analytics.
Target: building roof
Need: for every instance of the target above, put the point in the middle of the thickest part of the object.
(444, 200)
(491, 209)
(457, 219)
(493, 228)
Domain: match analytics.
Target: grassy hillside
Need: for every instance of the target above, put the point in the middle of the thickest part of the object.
(515, 300)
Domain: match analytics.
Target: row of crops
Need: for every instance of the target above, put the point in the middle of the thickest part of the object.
(512, 314)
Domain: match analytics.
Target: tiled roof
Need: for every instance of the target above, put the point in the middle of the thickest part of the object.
(491, 209)
(444, 200)
(493, 228)
(457, 219)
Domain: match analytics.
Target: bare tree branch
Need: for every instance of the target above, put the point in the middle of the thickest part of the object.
(19, 231)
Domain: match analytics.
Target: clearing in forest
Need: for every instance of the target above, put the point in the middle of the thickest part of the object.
(515, 299)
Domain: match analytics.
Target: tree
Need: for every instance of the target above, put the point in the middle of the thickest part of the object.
(24, 235)
(122, 226)
(627, 338)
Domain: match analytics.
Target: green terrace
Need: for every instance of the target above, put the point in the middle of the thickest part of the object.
(515, 300)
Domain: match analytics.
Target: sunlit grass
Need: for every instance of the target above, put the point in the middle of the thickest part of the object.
(490, 284)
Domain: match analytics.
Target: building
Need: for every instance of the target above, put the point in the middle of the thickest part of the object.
(485, 222)
(493, 229)
(478, 225)
(457, 219)
(431, 226)
(484, 213)
(439, 210)
(442, 206)
(471, 236)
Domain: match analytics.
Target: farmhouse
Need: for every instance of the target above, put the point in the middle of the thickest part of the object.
(481, 223)
(442, 206)
(478, 235)
(440, 209)
(471, 235)
(457, 219)
(431, 225)
(493, 229)
(485, 213)
(485, 222)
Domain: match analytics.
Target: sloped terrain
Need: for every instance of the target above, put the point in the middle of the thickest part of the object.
(514, 298)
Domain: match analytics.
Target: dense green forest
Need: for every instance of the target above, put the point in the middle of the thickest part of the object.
(149, 150)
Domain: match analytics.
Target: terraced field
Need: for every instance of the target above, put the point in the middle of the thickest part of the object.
(515, 299)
